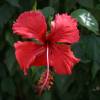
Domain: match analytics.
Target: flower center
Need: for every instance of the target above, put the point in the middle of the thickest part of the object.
(47, 42)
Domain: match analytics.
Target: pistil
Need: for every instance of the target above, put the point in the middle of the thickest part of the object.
(47, 72)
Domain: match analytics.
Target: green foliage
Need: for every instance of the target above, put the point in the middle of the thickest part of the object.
(86, 3)
(6, 13)
(13, 2)
(86, 19)
(55, 4)
(8, 86)
(48, 12)
(84, 83)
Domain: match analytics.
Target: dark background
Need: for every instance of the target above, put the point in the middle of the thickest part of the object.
(84, 83)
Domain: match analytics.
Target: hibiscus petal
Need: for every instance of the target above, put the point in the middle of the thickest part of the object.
(64, 29)
(26, 52)
(41, 59)
(31, 24)
(62, 58)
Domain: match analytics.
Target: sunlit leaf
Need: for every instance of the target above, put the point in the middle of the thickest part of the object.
(86, 19)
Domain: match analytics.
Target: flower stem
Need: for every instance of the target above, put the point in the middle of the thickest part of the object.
(34, 5)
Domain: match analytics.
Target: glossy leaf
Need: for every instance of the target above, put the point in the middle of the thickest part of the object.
(86, 19)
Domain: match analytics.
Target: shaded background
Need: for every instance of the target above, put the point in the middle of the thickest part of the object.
(84, 83)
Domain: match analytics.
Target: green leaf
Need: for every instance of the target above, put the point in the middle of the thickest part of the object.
(62, 84)
(1, 97)
(48, 11)
(69, 5)
(11, 61)
(88, 49)
(86, 19)
(3, 72)
(14, 2)
(86, 3)
(92, 51)
(6, 12)
(95, 68)
(2, 43)
(26, 5)
(54, 4)
(36, 72)
(8, 86)
(9, 38)
(98, 6)
(46, 96)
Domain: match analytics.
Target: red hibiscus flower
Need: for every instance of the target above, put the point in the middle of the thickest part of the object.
(51, 49)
